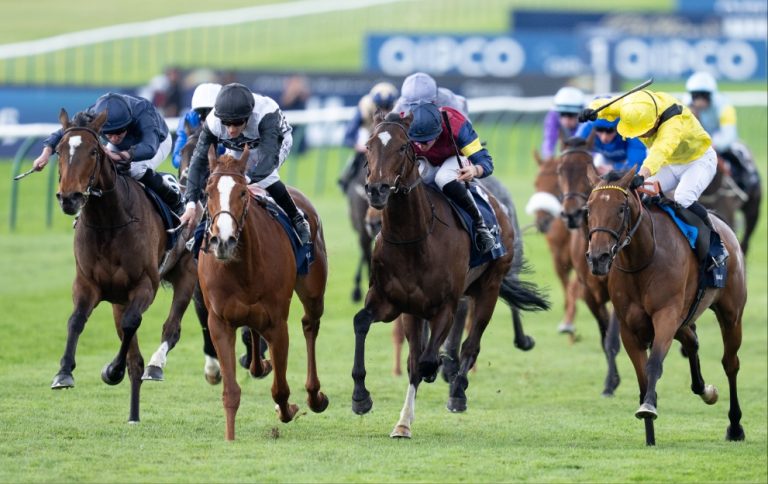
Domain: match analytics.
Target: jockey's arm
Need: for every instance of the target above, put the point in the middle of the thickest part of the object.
(268, 155)
(668, 138)
(723, 138)
(198, 166)
(147, 147)
(470, 146)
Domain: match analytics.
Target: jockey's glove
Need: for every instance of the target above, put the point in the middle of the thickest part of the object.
(587, 115)
(637, 182)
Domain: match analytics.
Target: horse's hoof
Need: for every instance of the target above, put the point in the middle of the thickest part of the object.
(321, 405)
(607, 393)
(457, 404)
(213, 378)
(357, 295)
(109, 378)
(428, 370)
(62, 380)
(646, 410)
(709, 395)
(736, 435)
(401, 432)
(611, 386)
(450, 368)
(293, 409)
(245, 361)
(361, 407)
(153, 373)
(133, 422)
(266, 370)
(525, 344)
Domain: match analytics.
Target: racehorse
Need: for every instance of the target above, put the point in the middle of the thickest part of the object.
(546, 207)
(420, 269)
(120, 241)
(653, 286)
(573, 174)
(726, 197)
(358, 206)
(248, 274)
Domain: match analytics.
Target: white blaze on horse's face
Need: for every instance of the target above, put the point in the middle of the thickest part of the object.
(385, 137)
(74, 142)
(224, 221)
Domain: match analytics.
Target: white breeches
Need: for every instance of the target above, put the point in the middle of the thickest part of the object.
(688, 180)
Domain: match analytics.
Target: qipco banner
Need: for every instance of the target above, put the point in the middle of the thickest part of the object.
(555, 54)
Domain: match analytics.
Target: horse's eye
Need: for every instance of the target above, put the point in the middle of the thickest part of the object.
(94, 152)
(402, 148)
(243, 193)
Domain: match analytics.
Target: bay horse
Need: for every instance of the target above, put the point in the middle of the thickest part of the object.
(420, 270)
(653, 279)
(726, 197)
(248, 275)
(119, 243)
(357, 203)
(546, 207)
(574, 172)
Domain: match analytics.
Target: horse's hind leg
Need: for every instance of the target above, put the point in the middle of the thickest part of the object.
(730, 327)
(637, 353)
(135, 364)
(223, 337)
(398, 337)
(310, 323)
(184, 278)
(413, 329)
(277, 337)
(85, 298)
(607, 324)
(449, 354)
(689, 340)
(130, 320)
(258, 366)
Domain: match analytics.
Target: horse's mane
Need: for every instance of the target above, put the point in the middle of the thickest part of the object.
(393, 117)
(82, 119)
(575, 142)
(614, 175)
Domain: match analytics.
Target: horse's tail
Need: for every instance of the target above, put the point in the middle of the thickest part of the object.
(525, 296)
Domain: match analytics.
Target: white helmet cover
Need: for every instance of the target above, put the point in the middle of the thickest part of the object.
(701, 82)
(569, 100)
(205, 95)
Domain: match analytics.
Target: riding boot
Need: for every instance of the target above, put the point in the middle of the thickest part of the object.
(280, 194)
(167, 188)
(350, 171)
(716, 245)
(458, 192)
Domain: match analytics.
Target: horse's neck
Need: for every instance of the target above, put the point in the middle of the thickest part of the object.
(641, 248)
(407, 216)
(112, 206)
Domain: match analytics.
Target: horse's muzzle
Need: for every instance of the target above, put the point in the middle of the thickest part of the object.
(71, 203)
(600, 263)
(222, 249)
(573, 219)
(543, 221)
(378, 194)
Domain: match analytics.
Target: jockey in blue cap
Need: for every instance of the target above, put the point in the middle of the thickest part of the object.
(439, 162)
(611, 151)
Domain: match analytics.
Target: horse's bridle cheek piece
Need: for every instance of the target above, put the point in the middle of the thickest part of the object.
(240, 223)
(410, 156)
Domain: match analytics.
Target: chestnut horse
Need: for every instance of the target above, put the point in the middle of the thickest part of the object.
(653, 285)
(546, 207)
(119, 242)
(248, 275)
(420, 270)
(573, 173)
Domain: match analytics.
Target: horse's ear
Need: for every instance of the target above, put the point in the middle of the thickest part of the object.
(213, 160)
(243, 161)
(378, 116)
(592, 175)
(591, 140)
(627, 178)
(64, 118)
(537, 157)
(408, 119)
(98, 121)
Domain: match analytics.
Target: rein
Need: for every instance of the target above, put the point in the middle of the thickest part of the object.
(625, 225)
(240, 223)
(410, 155)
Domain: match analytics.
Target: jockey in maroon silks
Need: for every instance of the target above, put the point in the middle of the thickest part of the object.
(437, 147)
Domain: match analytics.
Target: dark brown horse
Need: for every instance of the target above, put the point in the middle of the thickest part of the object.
(120, 243)
(546, 207)
(726, 197)
(420, 270)
(574, 172)
(358, 205)
(248, 276)
(653, 280)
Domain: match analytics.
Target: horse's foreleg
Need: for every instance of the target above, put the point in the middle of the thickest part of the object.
(604, 321)
(223, 337)
(135, 365)
(277, 337)
(85, 300)
(183, 277)
(361, 398)
(689, 340)
(730, 328)
(439, 327)
(258, 366)
(413, 328)
(664, 329)
(639, 356)
(130, 320)
(310, 323)
(611, 346)
(449, 354)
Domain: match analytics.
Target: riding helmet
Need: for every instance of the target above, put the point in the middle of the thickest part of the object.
(569, 100)
(205, 94)
(419, 87)
(384, 95)
(118, 112)
(427, 123)
(234, 102)
(701, 82)
(638, 114)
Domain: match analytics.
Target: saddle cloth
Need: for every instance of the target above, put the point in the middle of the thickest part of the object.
(170, 219)
(481, 198)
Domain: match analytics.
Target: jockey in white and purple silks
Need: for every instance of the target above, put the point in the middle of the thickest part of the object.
(562, 118)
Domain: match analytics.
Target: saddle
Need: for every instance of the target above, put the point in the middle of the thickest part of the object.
(170, 219)
(481, 199)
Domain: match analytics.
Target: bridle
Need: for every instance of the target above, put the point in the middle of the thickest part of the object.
(410, 156)
(626, 226)
(582, 195)
(90, 189)
(212, 218)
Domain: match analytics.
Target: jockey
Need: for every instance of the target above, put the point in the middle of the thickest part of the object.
(611, 151)
(680, 154)
(718, 117)
(202, 103)
(381, 98)
(438, 161)
(419, 88)
(241, 118)
(561, 119)
(137, 140)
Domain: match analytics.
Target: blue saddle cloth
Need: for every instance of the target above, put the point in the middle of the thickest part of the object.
(304, 254)
(475, 257)
(170, 219)
(717, 276)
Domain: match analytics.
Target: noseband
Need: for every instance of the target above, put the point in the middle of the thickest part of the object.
(625, 227)
(410, 155)
(240, 223)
